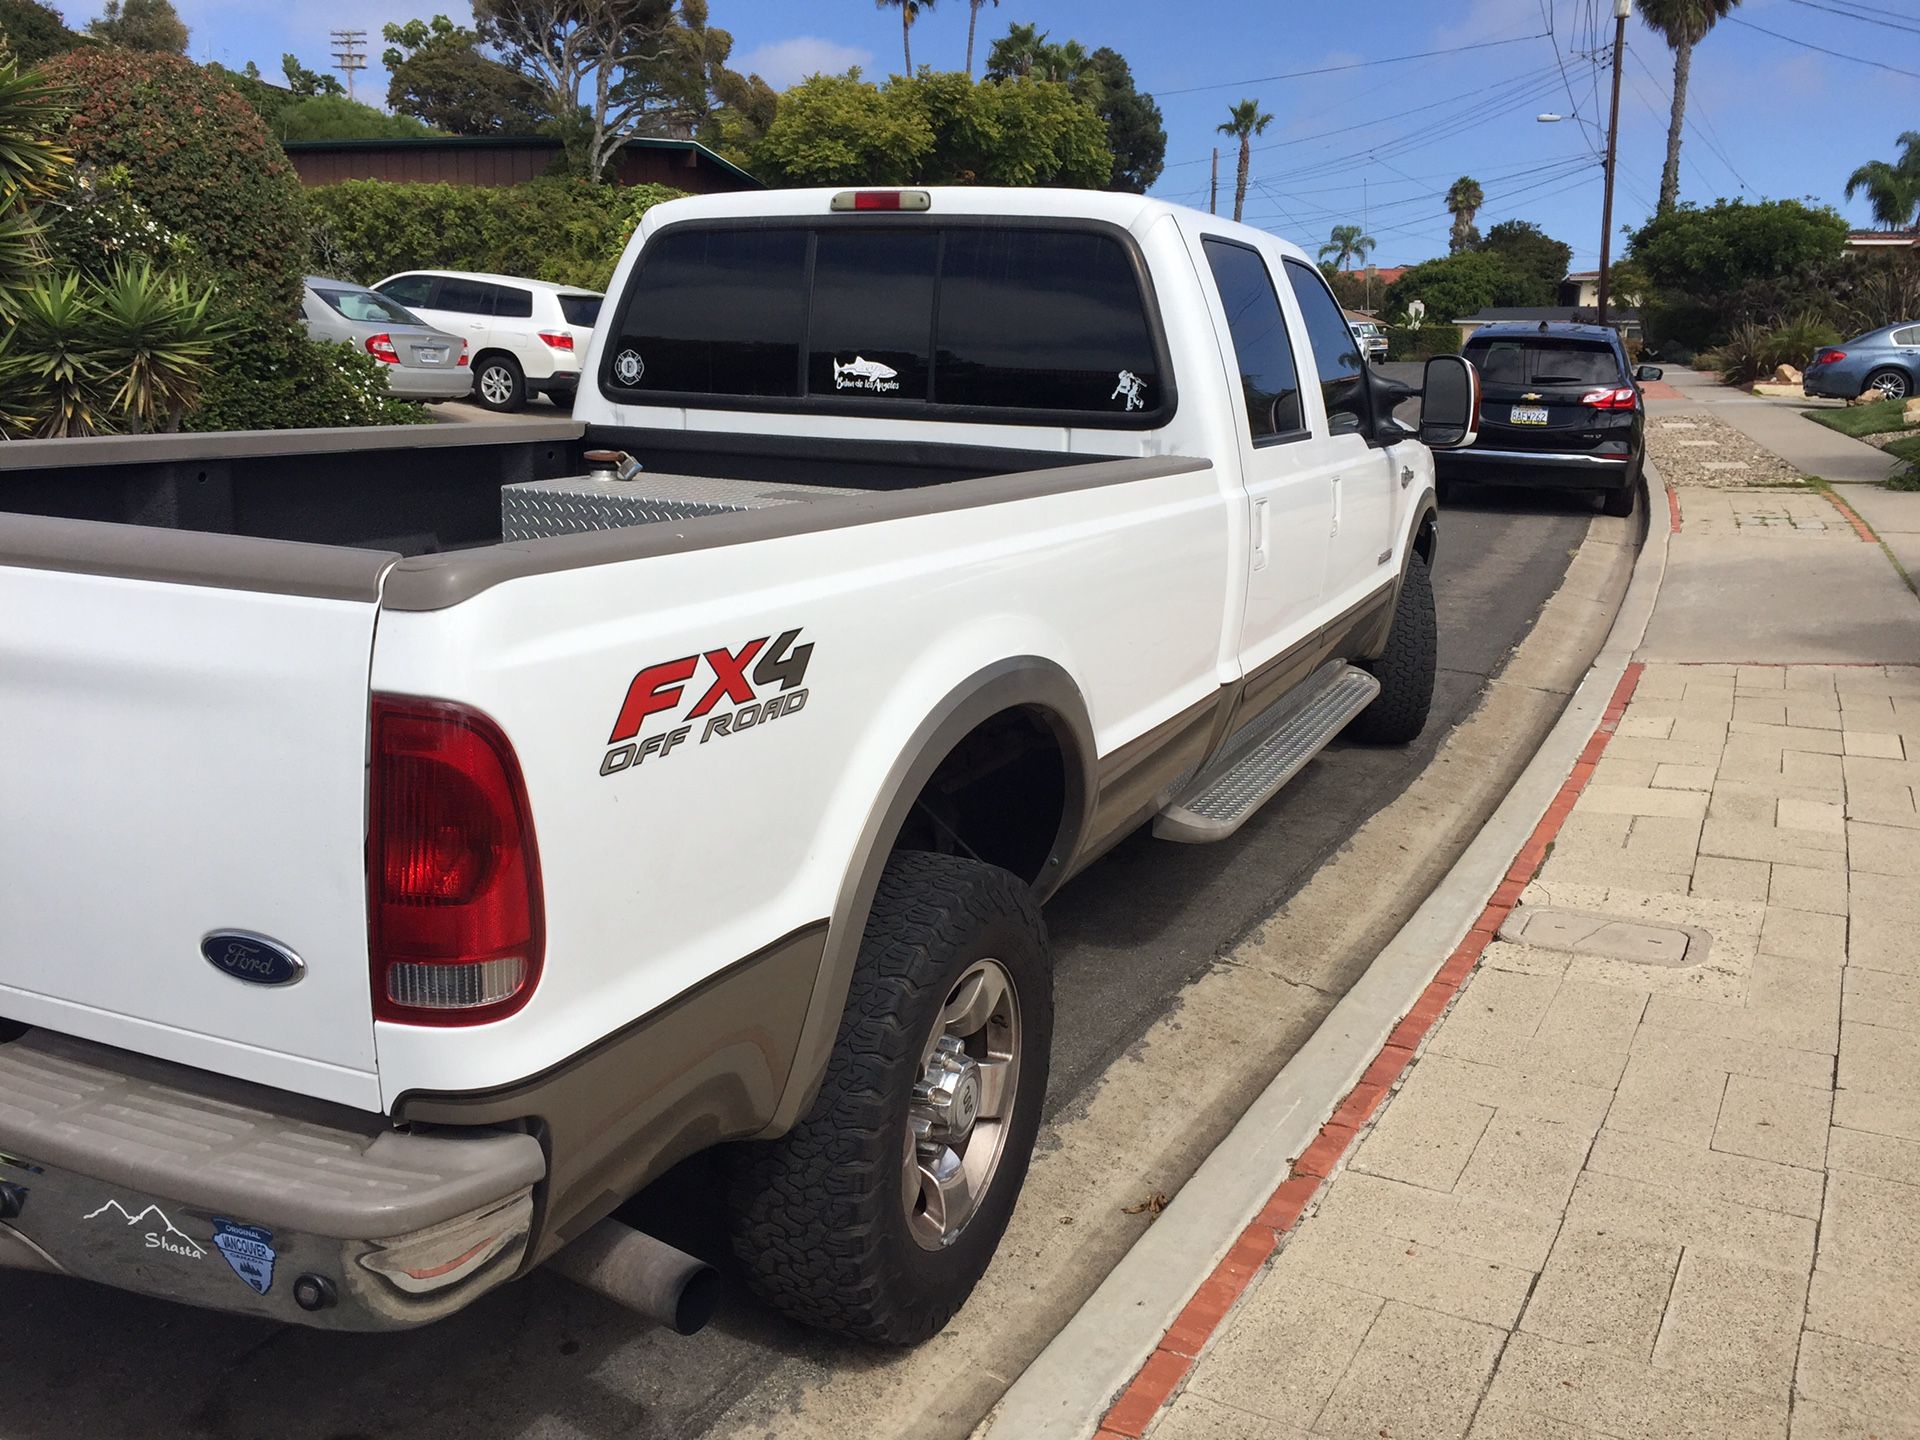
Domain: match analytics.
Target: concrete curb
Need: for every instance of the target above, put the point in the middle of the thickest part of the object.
(1064, 1393)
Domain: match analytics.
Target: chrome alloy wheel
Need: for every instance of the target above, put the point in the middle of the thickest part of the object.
(496, 383)
(962, 1105)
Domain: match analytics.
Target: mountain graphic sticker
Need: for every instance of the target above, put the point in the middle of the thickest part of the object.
(166, 1236)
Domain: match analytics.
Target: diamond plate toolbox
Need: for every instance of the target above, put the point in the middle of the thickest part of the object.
(574, 504)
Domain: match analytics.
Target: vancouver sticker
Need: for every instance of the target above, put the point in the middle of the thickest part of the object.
(249, 1250)
(629, 368)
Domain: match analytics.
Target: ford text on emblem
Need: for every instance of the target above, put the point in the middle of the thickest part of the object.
(256, 959)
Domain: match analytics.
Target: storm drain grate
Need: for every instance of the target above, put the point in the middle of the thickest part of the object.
(1549, 928)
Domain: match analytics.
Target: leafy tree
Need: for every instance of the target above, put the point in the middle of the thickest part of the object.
(1244, 121)
(841, 129)
(32, 31)
(973, 19)
(1347, 244)
(302, 81)
(335, 117)
(141, 25)
(909, 12)
(1693, 252)
(1683, 24)
(678, 86)
(1531, 249)
(1893, 189)
(1135, 132)
(1464, 199)
(1459, 285)
(438, 75)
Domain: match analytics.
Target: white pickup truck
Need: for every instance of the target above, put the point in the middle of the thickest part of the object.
(412, 848)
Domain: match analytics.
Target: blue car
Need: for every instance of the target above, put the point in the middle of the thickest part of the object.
(1887, 360)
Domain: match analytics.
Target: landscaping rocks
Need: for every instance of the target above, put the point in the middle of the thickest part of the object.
(1701, 451)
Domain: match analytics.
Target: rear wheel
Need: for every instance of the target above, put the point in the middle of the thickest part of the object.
(1892, 384)
(878, 1213)
(1621, 502)
(1405, 669)
(499, 383)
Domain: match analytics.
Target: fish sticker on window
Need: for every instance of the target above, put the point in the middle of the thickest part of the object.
(861, 373)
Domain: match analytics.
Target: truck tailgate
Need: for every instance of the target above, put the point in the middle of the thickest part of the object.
(176, 760)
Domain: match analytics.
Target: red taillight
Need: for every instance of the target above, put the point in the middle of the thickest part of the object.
(453, 876)
(558, 342)
(1621, 399)
(380, 347)
(463, 354)
(1829, 356)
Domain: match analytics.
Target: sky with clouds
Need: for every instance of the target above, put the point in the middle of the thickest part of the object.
(1377, 144)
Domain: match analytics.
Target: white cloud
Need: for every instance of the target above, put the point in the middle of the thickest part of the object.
(787, 62)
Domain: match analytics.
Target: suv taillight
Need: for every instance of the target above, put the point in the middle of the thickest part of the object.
(455, 924)
(558, 341)
(463, 353)
(1828, 356)
(1622, 398)
(380, 347)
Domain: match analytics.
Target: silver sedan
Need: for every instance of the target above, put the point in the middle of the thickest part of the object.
(421, 363)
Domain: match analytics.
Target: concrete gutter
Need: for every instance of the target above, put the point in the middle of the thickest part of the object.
(1065, 1391)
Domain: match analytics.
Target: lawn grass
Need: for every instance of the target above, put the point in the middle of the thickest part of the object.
(1858, 420)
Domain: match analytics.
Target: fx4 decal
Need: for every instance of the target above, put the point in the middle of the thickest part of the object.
(734, 700)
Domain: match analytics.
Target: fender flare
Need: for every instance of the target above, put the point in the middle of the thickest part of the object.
(1029, 681)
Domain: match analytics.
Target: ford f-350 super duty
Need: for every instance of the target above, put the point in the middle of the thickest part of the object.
(410, 851)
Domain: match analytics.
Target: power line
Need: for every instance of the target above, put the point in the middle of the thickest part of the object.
(1809, 45)
(1353, 65)
(1908, 29)
(1660, 88)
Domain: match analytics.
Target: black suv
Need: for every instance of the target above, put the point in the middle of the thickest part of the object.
(1560, 406)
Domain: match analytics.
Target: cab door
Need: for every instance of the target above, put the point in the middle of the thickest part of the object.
(1360, 559)
(1286, 469)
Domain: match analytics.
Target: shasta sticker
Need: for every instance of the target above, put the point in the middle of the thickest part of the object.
(629, 368)
(249, 1250)
(861, 373)
(772, 688)
(1133, 388)
(160, 1234)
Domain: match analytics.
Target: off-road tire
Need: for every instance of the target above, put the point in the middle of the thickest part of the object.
(515, 398)
(1405, 668)
(817, 1216)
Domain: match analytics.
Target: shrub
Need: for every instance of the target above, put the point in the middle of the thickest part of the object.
(33, 32)
(1460, 285)
(275, 378)
(200, 162)
(1753, 352)
(1404, 342)
(558, 229)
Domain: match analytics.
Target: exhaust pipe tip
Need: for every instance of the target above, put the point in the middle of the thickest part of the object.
(643, 1274)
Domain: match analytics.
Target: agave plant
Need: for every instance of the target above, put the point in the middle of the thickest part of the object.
(156, 342)
(57, 379)
(32, 164)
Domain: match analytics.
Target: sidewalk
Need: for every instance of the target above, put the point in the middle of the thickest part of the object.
(1645, 1159)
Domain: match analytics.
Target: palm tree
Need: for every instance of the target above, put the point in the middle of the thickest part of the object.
(1244, 121)
(1464, 199)
(1347, 244)
(1683, 24)
(1893, 190)
(973, 19)
(909, 12)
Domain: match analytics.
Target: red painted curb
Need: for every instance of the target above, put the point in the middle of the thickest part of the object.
(1860, 527)
(1156, 1382)
(1673, 509)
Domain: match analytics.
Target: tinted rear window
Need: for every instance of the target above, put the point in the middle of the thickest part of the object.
(511, 303)
(1544, 362)
(1007, 318)
(580, 309)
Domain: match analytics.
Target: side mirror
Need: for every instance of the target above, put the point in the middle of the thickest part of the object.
(1450, 403)
(1648, 372)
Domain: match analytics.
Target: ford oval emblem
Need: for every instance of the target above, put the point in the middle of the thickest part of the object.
(256, 959)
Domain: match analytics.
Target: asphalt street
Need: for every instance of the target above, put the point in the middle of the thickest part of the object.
(542, 1358)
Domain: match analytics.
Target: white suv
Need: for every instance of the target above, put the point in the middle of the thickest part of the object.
(527, 336)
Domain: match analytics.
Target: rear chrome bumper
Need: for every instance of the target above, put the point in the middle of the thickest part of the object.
(1571, 468)
(171, 1182)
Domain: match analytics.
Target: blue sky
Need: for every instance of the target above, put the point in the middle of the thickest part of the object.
(1375, 145)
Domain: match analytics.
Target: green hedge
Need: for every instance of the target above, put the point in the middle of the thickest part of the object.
(1406, 343)
(554, 228)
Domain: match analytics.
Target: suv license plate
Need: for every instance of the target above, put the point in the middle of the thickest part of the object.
(1528, 415)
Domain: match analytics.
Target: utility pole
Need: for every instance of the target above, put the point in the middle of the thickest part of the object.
(1620, 9)
(349, 53)
(1366, 224)
(1213, 191)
